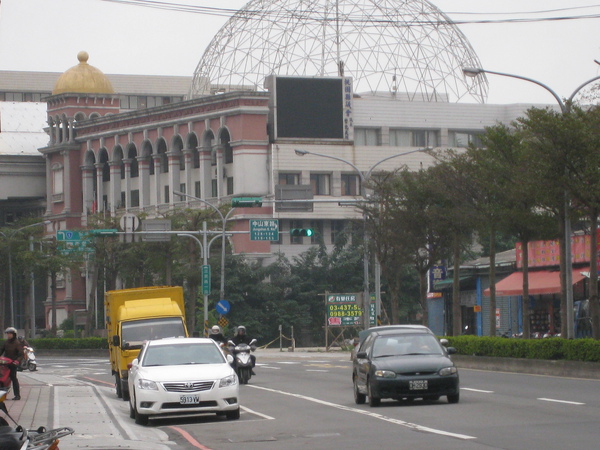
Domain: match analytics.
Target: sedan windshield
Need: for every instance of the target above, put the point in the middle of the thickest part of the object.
(409, 344)
(182, 354)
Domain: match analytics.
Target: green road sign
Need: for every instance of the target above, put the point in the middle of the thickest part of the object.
(264, 230)
(206, 279)
(246, 202)
(71, 241)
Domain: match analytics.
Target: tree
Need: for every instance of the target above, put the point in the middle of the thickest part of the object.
(408, 223)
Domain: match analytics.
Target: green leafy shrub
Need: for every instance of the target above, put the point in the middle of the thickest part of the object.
(550, 349)
(69, 343)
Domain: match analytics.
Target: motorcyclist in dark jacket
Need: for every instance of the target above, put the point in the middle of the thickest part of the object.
(217, 336)
(242, 338)
(12, 349)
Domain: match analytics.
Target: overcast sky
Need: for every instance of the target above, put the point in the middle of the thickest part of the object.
(46, 35)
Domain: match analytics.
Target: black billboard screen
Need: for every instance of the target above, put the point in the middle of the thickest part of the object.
(309, 108)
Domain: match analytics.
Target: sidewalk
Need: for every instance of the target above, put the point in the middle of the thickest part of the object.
(93, 412)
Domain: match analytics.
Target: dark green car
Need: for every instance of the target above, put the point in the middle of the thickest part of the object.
(404, 364)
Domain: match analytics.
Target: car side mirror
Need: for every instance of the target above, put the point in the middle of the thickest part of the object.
(115, 340)
(361, 355)
(451, 350)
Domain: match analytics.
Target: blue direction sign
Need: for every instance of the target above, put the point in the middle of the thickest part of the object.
(264, 229)
(223, 307)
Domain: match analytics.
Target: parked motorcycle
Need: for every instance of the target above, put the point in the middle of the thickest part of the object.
(29, 362)
(242, 362)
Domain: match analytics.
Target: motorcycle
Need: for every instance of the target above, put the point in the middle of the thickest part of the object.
(28, 360)
(242, 362)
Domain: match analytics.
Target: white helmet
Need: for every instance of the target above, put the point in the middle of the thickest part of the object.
(11, 330)
(241, 328)
(215, 329)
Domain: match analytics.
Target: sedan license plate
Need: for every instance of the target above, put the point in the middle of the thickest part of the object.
(418, 385)
(189, 399)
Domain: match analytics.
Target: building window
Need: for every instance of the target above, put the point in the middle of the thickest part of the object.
(296, 240)
(196, 158)
(414, 138)
(57, 180)
(167, 197)
(317, 227)
(350, 184)
(135, 198)
(463, 139)
(198, 189)
(228, 153)
(182, 188)
(213, 157)
(214, 187)
(289, 178)
(366, 136)
(229, 185)
(337, 228)
(320, 183)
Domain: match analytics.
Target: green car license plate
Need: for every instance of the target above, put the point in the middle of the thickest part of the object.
(417, 385)
(189, 399)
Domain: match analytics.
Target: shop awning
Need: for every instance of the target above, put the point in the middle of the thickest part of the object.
(540, 282)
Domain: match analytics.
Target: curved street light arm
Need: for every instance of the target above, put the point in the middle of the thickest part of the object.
(183, 194)
(370, 171)
(474, 71)
(581, 86)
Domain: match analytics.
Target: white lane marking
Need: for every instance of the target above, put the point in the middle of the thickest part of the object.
(412, 426)
(477, 390)
(270, 367)
(560, 401)
(317, 370)
(264, 416)
(288, 362)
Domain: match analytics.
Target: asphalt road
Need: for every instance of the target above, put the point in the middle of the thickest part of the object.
(305, 400)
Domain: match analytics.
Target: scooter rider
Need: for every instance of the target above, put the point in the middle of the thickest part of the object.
(242, 338)
(217, 336)
(11, 348)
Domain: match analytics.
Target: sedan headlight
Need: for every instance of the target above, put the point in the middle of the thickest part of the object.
(147, 384)
(385, 374)
(231, 380)
(446, 371)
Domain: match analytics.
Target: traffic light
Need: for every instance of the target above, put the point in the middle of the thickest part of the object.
(302, 232)
(246, 202)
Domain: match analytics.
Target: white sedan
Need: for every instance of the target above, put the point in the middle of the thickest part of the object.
(177, 376)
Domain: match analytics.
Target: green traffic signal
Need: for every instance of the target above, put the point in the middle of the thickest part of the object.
(308, 232)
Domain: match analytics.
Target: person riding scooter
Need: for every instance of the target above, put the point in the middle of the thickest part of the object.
(217, 336)
(242, 338)
(11, 348)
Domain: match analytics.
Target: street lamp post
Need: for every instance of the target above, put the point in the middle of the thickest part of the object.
(565, 108)
(364, 178)
(205, 251)
(224, 224)
(8, 238)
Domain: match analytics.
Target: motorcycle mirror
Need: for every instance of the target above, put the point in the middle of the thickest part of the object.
(253, 341)
(229, 359)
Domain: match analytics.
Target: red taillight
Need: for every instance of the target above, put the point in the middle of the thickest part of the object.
(129, 366)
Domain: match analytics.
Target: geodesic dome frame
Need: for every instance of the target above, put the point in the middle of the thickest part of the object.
(388, 47)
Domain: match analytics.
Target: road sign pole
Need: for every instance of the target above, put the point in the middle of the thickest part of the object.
(206, 295)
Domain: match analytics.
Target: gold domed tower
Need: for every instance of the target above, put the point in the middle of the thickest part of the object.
(83, 79)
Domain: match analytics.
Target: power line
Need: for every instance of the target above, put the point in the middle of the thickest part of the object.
(228, 12)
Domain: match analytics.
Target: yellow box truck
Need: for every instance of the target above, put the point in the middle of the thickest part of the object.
(137, 315)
